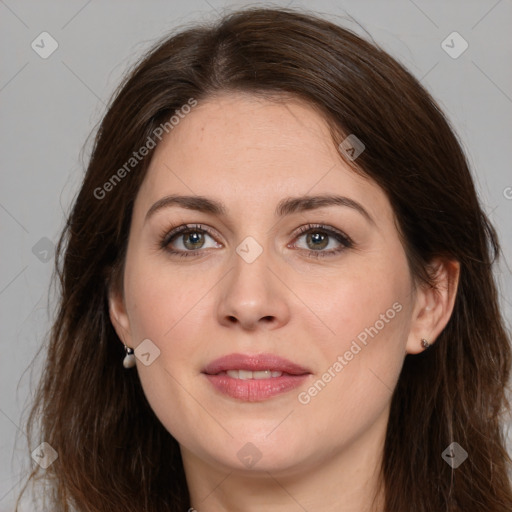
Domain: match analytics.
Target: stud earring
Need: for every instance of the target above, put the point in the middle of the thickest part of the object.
(425, 344)
(129, 358)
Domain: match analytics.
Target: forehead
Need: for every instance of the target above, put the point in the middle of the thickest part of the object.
(252, 152)
(244, 132)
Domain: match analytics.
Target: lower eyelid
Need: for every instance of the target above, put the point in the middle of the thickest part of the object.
(344, 241)
(177, 236)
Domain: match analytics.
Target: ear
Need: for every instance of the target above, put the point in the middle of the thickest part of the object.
(434, 305)
(119, 317)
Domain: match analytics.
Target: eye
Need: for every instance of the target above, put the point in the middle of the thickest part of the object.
(317, 238)
(191, 239)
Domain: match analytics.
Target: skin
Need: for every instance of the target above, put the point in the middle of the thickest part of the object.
(250, 153)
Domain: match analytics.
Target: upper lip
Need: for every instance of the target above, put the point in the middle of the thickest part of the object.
(255, 362)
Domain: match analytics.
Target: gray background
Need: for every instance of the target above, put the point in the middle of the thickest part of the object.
(48, 107)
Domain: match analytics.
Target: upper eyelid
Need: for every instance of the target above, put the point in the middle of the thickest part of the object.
(300, 231)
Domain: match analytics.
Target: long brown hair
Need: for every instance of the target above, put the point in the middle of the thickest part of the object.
(113, 453)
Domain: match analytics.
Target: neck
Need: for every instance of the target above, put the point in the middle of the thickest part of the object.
(347, 480)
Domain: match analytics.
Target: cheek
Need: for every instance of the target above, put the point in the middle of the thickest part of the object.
(352, 389)
(165, 308)
(368, 316)
(363, 360)
(363, 300)
(156, 298)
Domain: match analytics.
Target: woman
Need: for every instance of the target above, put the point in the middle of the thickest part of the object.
(279, 230)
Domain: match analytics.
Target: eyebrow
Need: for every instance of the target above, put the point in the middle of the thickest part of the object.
(286, 206)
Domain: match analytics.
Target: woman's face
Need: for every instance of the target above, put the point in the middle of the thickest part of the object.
(336, 302)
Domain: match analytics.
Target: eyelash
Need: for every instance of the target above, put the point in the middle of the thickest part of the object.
(169, 234)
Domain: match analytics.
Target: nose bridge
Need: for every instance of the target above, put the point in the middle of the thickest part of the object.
(251, 291)
(251, 261)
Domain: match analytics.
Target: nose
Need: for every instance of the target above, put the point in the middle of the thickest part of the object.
(253, 296)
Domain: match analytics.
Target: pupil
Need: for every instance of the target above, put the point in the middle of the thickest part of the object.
(196, 239)
(317, 237)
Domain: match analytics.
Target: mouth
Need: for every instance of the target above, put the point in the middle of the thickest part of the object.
(254, 378)
(257, 375)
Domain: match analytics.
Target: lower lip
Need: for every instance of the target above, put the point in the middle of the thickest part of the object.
(255, 390)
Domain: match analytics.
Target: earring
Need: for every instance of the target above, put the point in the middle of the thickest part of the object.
(129, 358)
(425, 343)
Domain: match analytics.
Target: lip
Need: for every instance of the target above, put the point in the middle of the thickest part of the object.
(257, 362)
(254, 390)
